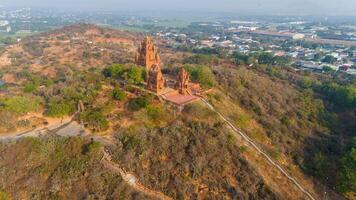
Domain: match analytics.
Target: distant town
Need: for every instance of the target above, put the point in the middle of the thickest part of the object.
(311, 44)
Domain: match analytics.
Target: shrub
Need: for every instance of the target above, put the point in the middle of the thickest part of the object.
(30, 87)
(22, 104)
(134, 75)
(201, 59)
(129, 140)
(95, 120)
(59, 109)
(4, 196)
(114, 71)
(118, 94)
(265, 58)
(305, 82)
(93, 147)
(347, 173)
(155, 112)
(138, 103)
(202, 74)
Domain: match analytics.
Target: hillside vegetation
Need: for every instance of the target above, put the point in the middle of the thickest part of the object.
(306, 122)
(190, 159)
(58, 168)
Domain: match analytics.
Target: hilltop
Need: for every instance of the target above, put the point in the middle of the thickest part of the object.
(184, 153)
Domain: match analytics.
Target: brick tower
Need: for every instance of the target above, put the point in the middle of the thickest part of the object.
(149, 58)
(147, 54)
(182, 84)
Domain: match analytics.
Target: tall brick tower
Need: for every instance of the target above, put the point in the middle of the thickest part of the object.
(149, 58)
(182, 84)
(147, 54)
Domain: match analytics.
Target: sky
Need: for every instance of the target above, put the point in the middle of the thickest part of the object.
(277, 7)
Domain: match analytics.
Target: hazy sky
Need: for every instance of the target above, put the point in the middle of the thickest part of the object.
(340, 7)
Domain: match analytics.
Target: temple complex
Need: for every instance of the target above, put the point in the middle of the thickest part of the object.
(183, 92)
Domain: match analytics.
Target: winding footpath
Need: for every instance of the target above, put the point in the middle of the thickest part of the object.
(255, 146)
(131, 179)
(71, 128)
(74, 129)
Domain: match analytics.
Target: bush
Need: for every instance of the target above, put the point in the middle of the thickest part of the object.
(114, 71)
(138, 103)
(347, 173)
(155, 112)
(134, 75)
(59, 109)
(243, 59)
(265, 58)
(95, 120)
(201, 74)
(4, 196)
(341, 95)
(201, 60)
(305, 82)
(118, 94)
(30, 87)
(22, 104)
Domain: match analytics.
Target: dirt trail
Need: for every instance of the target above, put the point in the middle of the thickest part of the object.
(72, 128)
(131, 179)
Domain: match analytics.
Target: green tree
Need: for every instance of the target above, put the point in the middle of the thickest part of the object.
(282, 60)
(138, 103)
(243, 59)
(95, 120)
(347, 174)
(201, 74)
(265, 58)
(305, 82)
(22, 104)
(134, 75)
(114, 71)
(329, 59)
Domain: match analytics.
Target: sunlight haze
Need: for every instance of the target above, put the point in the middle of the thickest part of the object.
(275, 7)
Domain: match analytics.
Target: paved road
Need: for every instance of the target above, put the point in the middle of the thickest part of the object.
(254, 145)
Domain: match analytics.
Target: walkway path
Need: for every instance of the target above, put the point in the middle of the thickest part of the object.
(72, 128)
(255, 146)
(131, 179)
